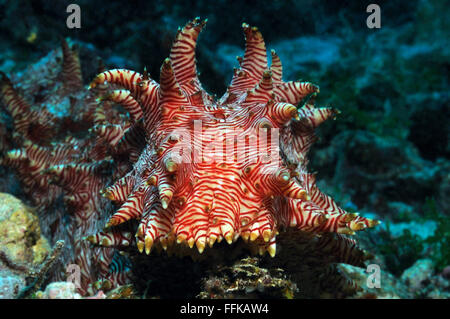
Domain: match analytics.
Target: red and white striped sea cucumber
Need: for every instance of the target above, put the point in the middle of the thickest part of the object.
(214, 169)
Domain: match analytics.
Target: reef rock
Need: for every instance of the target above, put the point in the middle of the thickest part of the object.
(59, 290)
(246, 279)
(22, 247)
(20, 235)
(377, 170)
(417, 275)
(390, 287)
(423, 282)
(10, 284)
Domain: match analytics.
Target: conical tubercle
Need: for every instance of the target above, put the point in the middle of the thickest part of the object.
(255, 57)
(276, 68)
(71, 68)
(263, 91)
(279, 181)
(313, 117)
(182, 54)
(110, 238)
(280, 112)
(171, 94)
(127, 79)
(166, 189)
(119, 191)
(124, 98)
(294, 92)
(132, 208)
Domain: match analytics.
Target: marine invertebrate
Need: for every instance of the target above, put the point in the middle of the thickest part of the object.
(215, 169)
(189, 168)
(62, 174)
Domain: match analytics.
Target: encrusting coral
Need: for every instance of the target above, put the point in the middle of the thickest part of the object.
(200, 169)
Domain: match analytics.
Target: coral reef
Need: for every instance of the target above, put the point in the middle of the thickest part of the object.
(179, 193)
(246, 280)
(382, 157)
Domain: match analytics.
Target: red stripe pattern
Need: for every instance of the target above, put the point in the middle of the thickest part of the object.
(189, 169)
(195, 185)
(52, 165)
(71, 69)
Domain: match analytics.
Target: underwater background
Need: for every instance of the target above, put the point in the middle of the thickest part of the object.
(386, 156)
